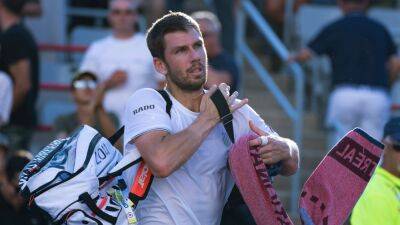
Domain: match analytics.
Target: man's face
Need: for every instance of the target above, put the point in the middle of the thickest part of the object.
(210, 35)
(84, 90)
(185, 59)
(122, 16)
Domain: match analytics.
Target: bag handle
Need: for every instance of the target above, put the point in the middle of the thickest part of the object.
(224, 113)
(86, 199)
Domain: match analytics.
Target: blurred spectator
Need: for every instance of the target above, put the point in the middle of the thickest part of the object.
(224, 9)
(32, 8)
(88, 97)
(4, 148)
(19, 59)
(13, 209)
(362, 54)
(275, 10)
(222, 67)
(380, 202)
(122, 61)
(6, 94)
(77, 20)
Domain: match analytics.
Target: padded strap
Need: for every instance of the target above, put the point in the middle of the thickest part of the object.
(114, 138)
(86, 199)
(224, 113)
(167, 99)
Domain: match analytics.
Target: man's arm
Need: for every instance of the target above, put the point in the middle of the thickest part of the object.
(21, 75)
(164, 153)
(277, 149)
(303, 55)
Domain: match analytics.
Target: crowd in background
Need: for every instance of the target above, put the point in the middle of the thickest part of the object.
(116, 66)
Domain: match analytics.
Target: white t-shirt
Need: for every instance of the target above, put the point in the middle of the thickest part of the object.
(6, 97)
(110, 54)
(195, 193)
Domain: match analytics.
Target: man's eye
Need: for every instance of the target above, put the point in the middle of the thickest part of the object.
(180, 50)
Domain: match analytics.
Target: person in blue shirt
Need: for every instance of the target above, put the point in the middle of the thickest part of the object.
(362, 55)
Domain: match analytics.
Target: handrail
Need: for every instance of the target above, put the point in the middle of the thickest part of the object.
(295, 112)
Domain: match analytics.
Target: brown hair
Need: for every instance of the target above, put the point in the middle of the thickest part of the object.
(169, 23)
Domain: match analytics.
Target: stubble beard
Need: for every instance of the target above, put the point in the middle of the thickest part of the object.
(180, 80)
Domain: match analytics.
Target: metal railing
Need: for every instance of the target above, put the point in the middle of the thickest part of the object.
(294, 111)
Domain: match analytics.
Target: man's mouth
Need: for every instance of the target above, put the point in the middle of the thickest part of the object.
(196, 69)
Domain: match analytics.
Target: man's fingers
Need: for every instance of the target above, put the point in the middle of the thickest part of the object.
(224, 88)
(239, 105)
(270, 161)
(255, 129)
(232, 98)
(255, 142)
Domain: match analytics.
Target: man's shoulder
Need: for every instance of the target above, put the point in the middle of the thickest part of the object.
(145, 95)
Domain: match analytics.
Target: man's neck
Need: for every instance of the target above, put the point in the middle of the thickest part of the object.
(190, 99)
(7, 20)
(123, 34)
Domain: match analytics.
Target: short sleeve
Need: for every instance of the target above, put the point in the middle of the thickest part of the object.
(322, 43)
(251, 115)
(15, 47)
(145, 111)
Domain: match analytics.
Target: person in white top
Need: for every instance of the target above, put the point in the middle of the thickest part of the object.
(187, 153)
(6, 97)
(121, 60)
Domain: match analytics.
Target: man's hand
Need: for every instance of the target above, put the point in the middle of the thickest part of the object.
(277, 149)
(303, 55)
(207, 107)
(118, 78)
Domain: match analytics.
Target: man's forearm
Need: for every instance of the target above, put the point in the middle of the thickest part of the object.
(174, 150)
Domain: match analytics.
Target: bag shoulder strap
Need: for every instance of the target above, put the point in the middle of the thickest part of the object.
(114, 138)
(224, 113)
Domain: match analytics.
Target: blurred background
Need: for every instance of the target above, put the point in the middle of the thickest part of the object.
(66, 61)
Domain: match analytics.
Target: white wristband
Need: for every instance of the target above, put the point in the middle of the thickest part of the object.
(264, 140)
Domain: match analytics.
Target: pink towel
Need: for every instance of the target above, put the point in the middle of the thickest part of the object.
(251, 177)
(330, 193)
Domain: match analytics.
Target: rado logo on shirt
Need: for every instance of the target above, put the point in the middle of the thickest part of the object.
(142, 108)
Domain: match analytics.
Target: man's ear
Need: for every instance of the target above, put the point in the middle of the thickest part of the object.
(160, 66)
